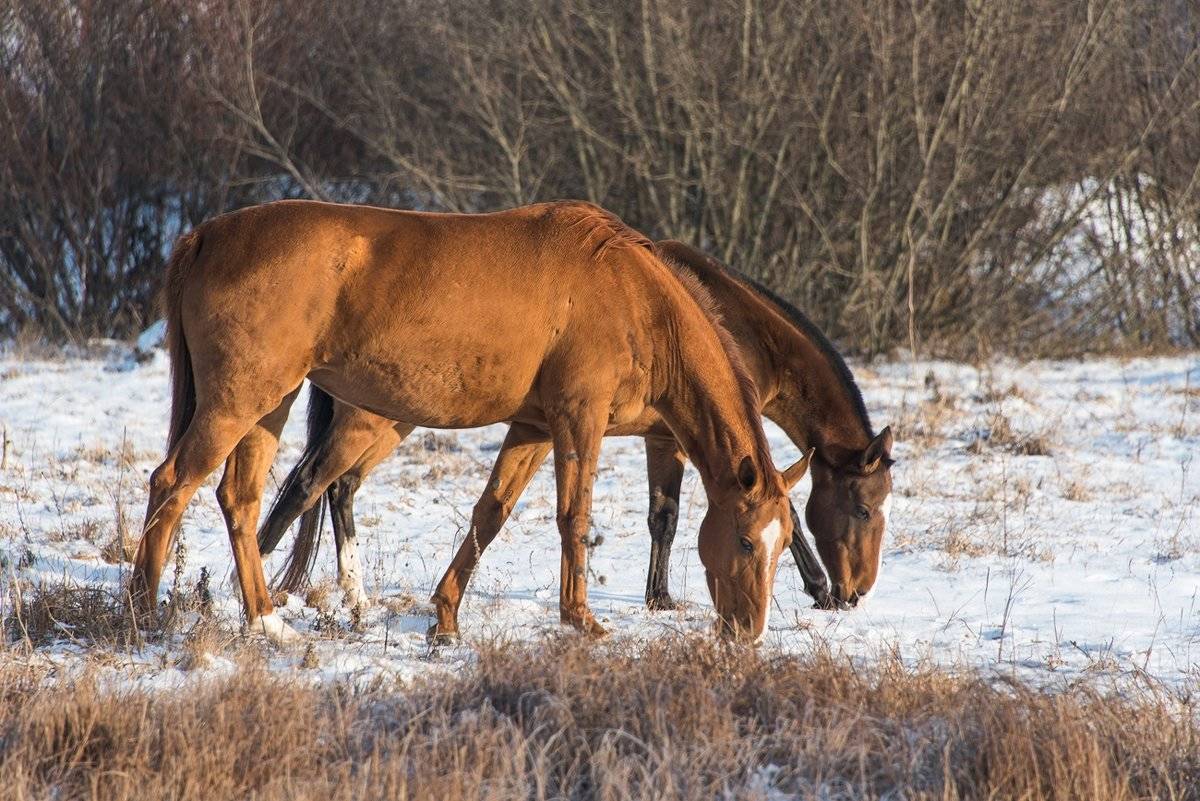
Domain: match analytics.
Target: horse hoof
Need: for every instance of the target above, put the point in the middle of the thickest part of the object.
(661, 603)
(826, 602)
(273, 627)
(436, 636)
(588, 626)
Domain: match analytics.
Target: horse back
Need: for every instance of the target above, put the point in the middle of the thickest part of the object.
(435, 319)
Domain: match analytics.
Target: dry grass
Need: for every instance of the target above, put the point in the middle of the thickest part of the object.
(207, 639)
(925, 424)
(680, 719)
(999, 432)
(63, 610)
(1076, 491)
(66, 611)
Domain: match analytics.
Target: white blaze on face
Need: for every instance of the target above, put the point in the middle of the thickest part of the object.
(885, 509)
(769, 536)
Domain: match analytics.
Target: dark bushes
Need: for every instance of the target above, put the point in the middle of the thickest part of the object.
(947, 175)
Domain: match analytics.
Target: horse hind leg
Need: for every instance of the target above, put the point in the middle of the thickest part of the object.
(240, 496)
(204, 445)
(341, 512)
(524, 450)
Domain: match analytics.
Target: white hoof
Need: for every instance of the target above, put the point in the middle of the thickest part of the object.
(275, 629)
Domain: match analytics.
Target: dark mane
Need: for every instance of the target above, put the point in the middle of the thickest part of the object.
(810, 330)
(708, 305)
(814, 333)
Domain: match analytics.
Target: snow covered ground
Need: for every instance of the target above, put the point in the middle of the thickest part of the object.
(1045, 523)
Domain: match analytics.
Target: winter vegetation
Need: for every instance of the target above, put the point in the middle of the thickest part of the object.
(955, 178)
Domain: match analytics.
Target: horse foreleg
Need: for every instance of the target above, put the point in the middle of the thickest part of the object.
(664, 467)
(523, 451)
(577, 435)
(811, 572)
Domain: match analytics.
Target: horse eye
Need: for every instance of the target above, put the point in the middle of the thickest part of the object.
(747, 545)
(862, 513)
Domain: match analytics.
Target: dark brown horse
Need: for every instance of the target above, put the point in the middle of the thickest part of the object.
(804, 387)
(554, 316)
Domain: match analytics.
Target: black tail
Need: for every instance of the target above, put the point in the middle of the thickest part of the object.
(289, 500)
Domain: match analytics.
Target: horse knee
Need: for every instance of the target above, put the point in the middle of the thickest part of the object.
(662, 504)
(233, 494)
(162, 480)
(573, 525)
(664, 512)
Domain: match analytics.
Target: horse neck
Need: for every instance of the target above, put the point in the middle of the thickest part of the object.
(812, 402)
(814, 406)
(701, 400)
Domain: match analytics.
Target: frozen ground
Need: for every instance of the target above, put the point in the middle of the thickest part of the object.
(1045, 523)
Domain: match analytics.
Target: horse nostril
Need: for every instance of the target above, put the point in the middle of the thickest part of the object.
(855, 597)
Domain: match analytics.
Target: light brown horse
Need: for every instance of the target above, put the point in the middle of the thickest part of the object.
(553, 315)
(804, 387)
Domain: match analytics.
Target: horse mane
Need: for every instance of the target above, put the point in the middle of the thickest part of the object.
(817, 336)
(747, 389)
(810, 330)
(599, 228)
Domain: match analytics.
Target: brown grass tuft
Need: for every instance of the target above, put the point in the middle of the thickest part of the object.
(207, 639)
(65, 611)
(1000, 433)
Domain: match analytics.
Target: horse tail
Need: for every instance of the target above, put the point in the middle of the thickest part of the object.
(183, 381)
(292, 493)
(300, 561)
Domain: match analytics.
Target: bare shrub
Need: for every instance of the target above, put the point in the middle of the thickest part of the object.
(934, 175)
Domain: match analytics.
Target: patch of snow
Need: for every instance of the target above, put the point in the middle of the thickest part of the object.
(1082, 556)
(150, 340)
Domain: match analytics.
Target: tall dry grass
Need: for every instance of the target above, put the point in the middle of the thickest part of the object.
(675, 719)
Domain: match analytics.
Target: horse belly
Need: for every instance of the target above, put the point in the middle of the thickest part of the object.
(463, 388)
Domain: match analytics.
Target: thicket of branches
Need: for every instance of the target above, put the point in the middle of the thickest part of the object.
(943, 174)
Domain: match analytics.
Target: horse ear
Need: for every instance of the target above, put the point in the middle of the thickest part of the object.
(878, 452)
(793, 474)
(747, 474)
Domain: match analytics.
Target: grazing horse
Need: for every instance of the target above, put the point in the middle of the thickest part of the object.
(555, 315)
(804, 387)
